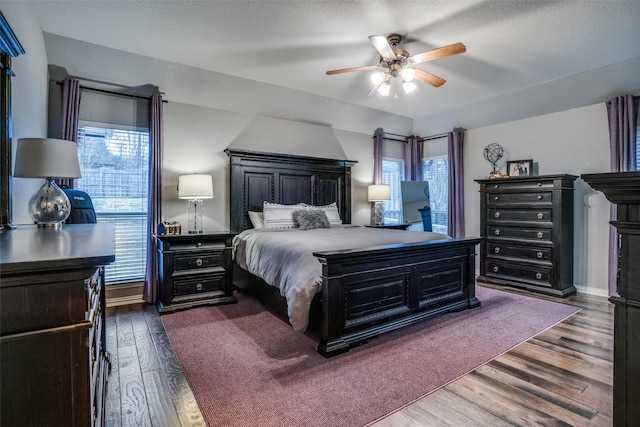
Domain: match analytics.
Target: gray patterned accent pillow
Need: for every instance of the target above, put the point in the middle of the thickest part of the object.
(307, 219)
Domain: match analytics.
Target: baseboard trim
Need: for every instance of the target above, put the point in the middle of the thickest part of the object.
(592, 291)
(133, 299)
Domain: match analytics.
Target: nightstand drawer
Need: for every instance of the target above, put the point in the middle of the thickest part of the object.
(199, 260)
(197, 285)
(497, 249)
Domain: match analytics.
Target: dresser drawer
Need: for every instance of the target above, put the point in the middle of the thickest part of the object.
(200, 284)
(199, 260)
(537, 275)
(537, 234)
(529, 185)
(529, 215)
(497, 249)
(504, 199)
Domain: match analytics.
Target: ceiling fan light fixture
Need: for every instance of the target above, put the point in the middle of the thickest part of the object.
(408, 74)
(384, 89)
(377, 77)
(409, 86)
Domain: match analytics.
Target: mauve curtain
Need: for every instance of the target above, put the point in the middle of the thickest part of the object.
(456, 183)
(155, 196)
(378, 135)
(71, 93)
(413, 151)
(623, 121)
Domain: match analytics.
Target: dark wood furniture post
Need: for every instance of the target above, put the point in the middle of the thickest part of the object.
(623, 189)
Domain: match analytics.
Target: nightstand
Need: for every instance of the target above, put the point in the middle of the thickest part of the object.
(391, 226)
(194, 270)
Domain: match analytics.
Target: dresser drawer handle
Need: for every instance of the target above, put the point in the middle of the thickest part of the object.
(540, 235)
(497, 232)
(497, 215)
(199, 287)
(496, 186)
(497, 249)
(198, 244)
(540, 254)
(539, 184)
(538, 276)
(199, 262)
(495, 269)
(540, 215)
(539, 197)
(496, 198)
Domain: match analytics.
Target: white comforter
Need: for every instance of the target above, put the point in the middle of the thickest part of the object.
(284, 258)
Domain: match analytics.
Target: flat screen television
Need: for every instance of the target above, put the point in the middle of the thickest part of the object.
(415, 196)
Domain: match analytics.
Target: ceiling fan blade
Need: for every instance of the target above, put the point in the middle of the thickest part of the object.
(349, 70)
(428, 78)
(383, 46)
(441, 52)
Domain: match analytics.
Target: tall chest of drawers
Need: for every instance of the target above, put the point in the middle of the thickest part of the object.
(194, 270)
(527, 223)
(52, 326)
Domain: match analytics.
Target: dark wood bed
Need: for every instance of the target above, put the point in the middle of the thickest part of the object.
(365, 291)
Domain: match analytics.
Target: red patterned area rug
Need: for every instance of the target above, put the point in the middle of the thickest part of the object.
(249, 368)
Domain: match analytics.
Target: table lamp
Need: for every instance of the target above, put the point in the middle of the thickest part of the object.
(47, 158)
(378, 193)
(194, 188)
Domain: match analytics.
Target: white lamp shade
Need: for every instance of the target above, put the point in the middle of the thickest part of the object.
(46, 158)
(379, 192)
(195, 186)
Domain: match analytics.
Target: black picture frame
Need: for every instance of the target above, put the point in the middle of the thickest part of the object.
(520, 167)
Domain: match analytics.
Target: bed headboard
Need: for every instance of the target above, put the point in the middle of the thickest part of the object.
(281, 178)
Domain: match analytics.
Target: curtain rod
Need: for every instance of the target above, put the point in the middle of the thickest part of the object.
(112, 92)
(426, 138)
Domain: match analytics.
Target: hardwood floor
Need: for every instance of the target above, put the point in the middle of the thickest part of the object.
(562, 377)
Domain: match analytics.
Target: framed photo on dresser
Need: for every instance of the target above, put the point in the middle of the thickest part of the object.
(520, 167)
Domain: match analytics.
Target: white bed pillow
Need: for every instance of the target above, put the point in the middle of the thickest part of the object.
(257, 219)
(332, 213)
(279, 216)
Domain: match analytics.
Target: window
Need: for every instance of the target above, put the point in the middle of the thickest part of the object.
(392, 174)
(436, 171)
(115, 173)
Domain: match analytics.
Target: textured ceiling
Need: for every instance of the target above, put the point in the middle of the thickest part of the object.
(511, 45)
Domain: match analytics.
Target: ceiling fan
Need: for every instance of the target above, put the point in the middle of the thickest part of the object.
(397, 62)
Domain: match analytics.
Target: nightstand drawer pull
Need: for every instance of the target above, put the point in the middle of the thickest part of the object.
(539, 197)
(496, 198)
(497, 232)
(199, 287)
(540, 235)
(497, 214)
(540, 215)
(539, 254)
(496, 186)
(198, 244)
(495, 269)
(497, 249)
(538, 276)
(199, 262)
(539, 184)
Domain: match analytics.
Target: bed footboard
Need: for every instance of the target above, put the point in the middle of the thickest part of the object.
(369, 291)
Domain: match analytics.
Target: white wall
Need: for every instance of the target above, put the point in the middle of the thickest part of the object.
(573, 142)
(29, 97)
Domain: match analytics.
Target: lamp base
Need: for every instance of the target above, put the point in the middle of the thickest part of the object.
(378, 213)
(50, 206)
(194, 213)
